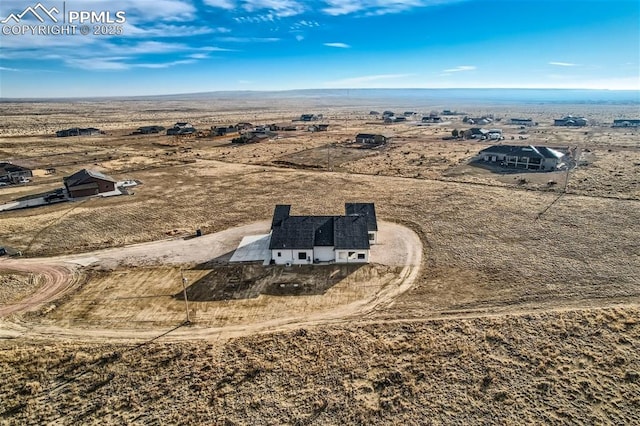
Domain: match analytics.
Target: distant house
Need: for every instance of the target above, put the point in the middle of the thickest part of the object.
(254, 136)
(318, 128)
(181, 128)
(223, 130)
(626, 122)
(77, 131)
(432, 119)
(10, 172)
(476, 133)
(523, 157)
(522, 122)
(281, 127)
(570, 121)
(86, 183)
(310, 117)
(147, 130)
(409, 113)
(386, 114)
(370, 139)
(300, 240)
(244, 126)
(479, 120)
(374, 113)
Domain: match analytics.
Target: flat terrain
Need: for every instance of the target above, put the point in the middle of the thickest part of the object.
(522, 305)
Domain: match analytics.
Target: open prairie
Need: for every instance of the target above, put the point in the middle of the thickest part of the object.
(523, 307)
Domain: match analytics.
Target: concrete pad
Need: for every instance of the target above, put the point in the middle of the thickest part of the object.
(252, 248)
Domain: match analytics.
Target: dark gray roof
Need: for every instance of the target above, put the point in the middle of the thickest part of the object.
(523, 151)
(293, 233)
(364, 209)
(350, 232)
(280, 213)
(10, 167)
(365, 136)
(79, 177)
(628, 120)
(305, 232)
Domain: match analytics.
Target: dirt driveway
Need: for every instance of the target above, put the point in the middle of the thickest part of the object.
(399, 247)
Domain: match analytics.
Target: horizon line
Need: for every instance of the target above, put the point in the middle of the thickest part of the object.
(8, 99)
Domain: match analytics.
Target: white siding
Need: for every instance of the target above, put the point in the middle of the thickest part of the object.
(292, 256)
(282, 256)
(373, 234)
(352, 256)
(308, 257)
(323, 254)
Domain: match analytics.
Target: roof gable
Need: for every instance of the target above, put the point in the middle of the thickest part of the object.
(365, 209)
(81, 176)
(305, 232)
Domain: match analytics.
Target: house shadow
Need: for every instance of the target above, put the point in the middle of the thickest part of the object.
(250, 280)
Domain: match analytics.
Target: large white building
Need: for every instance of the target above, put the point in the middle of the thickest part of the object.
(300, 240)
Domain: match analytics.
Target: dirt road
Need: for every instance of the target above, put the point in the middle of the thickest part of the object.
(57, 278)
(399, 247)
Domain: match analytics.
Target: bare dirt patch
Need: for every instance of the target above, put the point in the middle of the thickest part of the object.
(15, 286)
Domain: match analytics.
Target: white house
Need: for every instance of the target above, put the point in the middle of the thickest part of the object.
(300, 240)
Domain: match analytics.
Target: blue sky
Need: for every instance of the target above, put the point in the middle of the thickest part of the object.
(185, 46)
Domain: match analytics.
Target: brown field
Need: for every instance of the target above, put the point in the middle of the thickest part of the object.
(524, 310)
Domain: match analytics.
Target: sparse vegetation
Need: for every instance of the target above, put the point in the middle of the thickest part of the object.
(515, 316)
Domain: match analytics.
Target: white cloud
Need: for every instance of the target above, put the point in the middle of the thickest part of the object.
(276, 8)
(563, 64)
(303, 25)
(249, 39)
(461, 68)
(377, 7)
(223, 4)
(119, 63)
(170, 30)
(299, 37)
(8, 69)
(279, 8)
(215, 49)
(112, 63)
(366, 79)
(198, 56)
(164, 64)
(338, 45)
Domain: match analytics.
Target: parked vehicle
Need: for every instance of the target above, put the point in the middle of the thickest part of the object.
(54, 196)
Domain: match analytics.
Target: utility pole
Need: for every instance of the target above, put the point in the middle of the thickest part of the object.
(184, 292)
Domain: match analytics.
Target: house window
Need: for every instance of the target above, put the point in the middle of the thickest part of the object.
(302, 255)
(279, 254)
(351, 253)
(371, 236)
(361, 256)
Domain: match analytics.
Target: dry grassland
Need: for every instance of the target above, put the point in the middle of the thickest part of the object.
(553, 279)
(558, 367)
(485, 246)
(219, 297)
